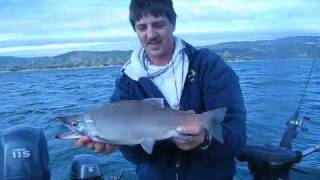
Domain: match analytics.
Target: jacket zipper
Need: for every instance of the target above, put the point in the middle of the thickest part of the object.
(177, 169)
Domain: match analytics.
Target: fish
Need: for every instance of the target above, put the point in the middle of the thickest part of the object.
(132, 122)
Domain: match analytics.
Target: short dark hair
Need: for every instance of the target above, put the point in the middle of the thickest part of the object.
(140, 8)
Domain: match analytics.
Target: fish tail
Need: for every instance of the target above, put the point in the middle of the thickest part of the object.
(212, 122)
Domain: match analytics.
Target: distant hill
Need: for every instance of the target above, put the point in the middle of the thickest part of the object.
(303, 47)
(285, 48)
(74, 59)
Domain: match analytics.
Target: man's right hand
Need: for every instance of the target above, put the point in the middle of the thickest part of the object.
(97, 147)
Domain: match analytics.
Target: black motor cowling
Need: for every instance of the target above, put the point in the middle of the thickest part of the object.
(23, 154)
(86, 167)
(269, 162)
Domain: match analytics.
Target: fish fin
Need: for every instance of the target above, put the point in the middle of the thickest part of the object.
(213, 120)
(148, 145)
(156, 102)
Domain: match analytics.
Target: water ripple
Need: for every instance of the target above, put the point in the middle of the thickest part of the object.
(271, 91)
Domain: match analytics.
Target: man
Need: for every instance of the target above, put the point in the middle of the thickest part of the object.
(188, 79)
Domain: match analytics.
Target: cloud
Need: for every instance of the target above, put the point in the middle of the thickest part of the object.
(58, 21)
(247, 15)
(10, 37)
(57, 15)
(70, 17)
(51, 46)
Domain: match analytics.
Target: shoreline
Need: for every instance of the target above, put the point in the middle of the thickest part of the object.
(110, 66)
(52, 69)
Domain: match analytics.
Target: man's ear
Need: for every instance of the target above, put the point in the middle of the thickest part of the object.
(134, 27)
(173, 27)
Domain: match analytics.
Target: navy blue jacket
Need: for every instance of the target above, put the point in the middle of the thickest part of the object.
(210, 84)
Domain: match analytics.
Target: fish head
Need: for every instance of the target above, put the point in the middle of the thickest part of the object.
(76, 123)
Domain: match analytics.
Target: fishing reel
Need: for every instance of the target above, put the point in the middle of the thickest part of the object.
(298, 123)
(275, 162)
(23, 154)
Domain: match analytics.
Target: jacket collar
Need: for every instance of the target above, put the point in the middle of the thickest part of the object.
(152, 91)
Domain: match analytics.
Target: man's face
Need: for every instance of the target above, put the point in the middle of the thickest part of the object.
(155, 35)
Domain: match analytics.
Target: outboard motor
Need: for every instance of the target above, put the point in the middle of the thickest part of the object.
(23, 154)
(86, 167)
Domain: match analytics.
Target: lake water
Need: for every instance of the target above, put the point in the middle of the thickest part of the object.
(272, 90)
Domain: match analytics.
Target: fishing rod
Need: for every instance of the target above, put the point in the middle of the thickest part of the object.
(272, 162)
(294, 123)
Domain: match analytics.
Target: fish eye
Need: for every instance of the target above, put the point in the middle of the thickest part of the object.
(74, 123)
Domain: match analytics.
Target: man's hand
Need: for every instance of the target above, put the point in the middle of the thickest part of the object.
(97, 147)
(198, 135)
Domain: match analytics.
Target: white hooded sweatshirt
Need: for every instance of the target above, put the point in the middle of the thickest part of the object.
(169, 78)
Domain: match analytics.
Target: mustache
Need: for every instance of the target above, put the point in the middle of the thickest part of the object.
(153, 40)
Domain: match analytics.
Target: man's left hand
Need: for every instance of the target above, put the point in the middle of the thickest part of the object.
(197, 134)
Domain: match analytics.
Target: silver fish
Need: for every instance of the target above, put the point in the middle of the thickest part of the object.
(132, 122)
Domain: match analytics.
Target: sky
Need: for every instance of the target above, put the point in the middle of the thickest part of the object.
(51, 27)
